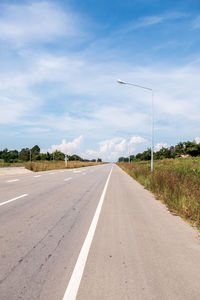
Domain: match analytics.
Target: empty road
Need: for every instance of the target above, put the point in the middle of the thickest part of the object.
(92, 233)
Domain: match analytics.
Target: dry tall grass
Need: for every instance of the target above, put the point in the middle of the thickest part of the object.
(6, 165)
(54, 165)
(174, 181)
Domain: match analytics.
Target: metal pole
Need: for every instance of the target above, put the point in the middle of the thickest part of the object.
(152, 133)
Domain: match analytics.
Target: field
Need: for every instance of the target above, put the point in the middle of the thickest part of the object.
(6, 165)
(176, 182)
(54, 165)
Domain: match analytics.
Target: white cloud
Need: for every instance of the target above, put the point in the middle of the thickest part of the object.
(16, 106)
(160, 146)
(85, 88)
(156, 19)
(36, 21)
(197, 140)
(196, 23)
(112, 149)
(109, 150)
(66, 147)
(137, 140)
(108, 107)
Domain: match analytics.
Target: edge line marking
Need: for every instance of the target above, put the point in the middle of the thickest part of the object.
(75, 280)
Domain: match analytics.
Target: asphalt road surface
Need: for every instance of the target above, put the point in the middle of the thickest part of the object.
(92, 233)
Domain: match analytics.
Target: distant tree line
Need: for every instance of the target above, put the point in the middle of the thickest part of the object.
(34, 154)
(181, 149)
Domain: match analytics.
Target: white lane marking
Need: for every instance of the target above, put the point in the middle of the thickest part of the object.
(75, 280)
(3, 203)
(51, 173)
(78, 171)
(62, 171)
(67, 179)
(12, 180)
(36, 176)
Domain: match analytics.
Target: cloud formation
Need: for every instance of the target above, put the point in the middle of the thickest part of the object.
(36, 21)
(197, 140)
(66, 147)
(112, 149)
(159, 146)
(59, 89)
(156, 19)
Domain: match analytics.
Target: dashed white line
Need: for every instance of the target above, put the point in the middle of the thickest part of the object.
(36, 176)
(73, 285)
(51, 173)
(12, 180)
(11, 200)
(77, 171)
(67, 179)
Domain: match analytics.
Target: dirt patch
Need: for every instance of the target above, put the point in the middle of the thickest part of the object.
(13, 171)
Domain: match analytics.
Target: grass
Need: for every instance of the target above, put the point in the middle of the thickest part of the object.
(54, 165)
(6, 165)
(174, 181)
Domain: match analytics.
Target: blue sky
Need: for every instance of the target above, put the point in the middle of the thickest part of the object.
(60, 61)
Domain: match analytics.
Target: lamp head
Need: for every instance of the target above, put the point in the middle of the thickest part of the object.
(121, 81)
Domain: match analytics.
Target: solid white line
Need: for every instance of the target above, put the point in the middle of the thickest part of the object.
(3, 203)
(73, 285)
(12, 180)
(67, 179)
(36, 176)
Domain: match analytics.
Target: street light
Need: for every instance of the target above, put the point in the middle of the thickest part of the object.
(129, 156)
(152, 111)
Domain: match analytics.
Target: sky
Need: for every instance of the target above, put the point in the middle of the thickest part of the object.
(59, 65)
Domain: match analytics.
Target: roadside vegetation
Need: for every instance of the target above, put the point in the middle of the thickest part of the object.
(184, 149)
(34, 160)
(176, 182)
(7, 164)
(54, 165)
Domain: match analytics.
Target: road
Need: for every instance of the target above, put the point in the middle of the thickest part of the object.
(139, 250)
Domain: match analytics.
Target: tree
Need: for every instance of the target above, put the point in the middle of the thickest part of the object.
(99, 160)
(162, 153)
(75, 157)
(35, 152)
(58, 155)
(24, 154)
(192, 148)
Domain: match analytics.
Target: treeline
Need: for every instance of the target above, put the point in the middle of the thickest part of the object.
(34, 154)
(181, 149)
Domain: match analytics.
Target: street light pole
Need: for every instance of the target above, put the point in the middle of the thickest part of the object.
(129, 158)
(152, 114)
